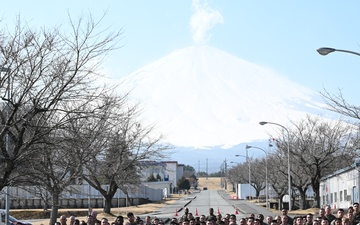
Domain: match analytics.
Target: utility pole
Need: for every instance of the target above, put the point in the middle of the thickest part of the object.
(225, 173)
(198, 168)
(206, 169)
(7, 144)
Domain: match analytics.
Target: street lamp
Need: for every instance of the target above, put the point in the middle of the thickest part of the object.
(7, 146)
(89, 199)
(225, 173)
(237, 188)
(326, 50)
(288, 150)
(247, 159)
(266, 172)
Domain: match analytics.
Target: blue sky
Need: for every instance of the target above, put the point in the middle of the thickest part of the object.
(280, 35)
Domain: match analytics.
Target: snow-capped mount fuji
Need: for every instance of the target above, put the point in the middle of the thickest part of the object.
(201, 97)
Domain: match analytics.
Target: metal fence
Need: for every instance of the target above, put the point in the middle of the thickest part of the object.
(78, 196)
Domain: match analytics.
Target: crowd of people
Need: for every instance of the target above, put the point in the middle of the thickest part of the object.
(324, 217)
(93, 220)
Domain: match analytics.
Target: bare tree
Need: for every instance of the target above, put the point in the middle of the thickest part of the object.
(314, 145)
(236, 175)
(49, 80)
(117, 163)
(116, 142)
(300, 182)
(74, 146)
(240, 173)
(277, 178)
(337, 103)
(258, 176)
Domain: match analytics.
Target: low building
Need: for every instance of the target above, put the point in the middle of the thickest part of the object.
(341, 189)
(167, 172)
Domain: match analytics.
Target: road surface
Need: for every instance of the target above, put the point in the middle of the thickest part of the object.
(200, 202)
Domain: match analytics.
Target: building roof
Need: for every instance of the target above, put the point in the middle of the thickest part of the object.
(343, 170)
(151, 163)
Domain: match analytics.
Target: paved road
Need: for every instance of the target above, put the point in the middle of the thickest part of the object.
(210, 199)
(200, 202)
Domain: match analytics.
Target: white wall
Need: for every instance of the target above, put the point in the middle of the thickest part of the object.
(340, 190)
(172, 169)
(243, 191)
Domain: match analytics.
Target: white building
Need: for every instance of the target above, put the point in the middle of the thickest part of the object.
(340, 189)
(175, 171)
(169, 171)
(154, 168)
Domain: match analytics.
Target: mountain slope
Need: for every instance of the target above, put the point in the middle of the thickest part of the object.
(201, 97)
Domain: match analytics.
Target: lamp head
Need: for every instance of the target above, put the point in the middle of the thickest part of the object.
(263, 123)
(248, 146)
(325, 51)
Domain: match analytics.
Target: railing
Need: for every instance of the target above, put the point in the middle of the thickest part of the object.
(33, 197)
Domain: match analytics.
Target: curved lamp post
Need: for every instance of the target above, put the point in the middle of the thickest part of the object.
(288, 150)
(324, 51)
(266, 172)
(248, 161)
(237, 191)
(7, 146)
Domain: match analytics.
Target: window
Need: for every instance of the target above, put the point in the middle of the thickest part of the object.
(327, 199)
(331, 198)
(335, 197)
(345, 195)
(341, 196)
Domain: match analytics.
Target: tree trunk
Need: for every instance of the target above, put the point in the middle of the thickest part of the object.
(293, 201)
(316, 187)
(302, 198)
(129, 203)
(257, 192)
(280, 202)
(107, 207)
(54, 208)
(109, 195)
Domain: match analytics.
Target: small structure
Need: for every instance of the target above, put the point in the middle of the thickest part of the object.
(245, 191)
(341, 189)
(168, 171)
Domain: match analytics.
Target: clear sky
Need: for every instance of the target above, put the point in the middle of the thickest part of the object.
(281, 35)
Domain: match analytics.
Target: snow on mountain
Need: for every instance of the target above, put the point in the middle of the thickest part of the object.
(202, 97)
